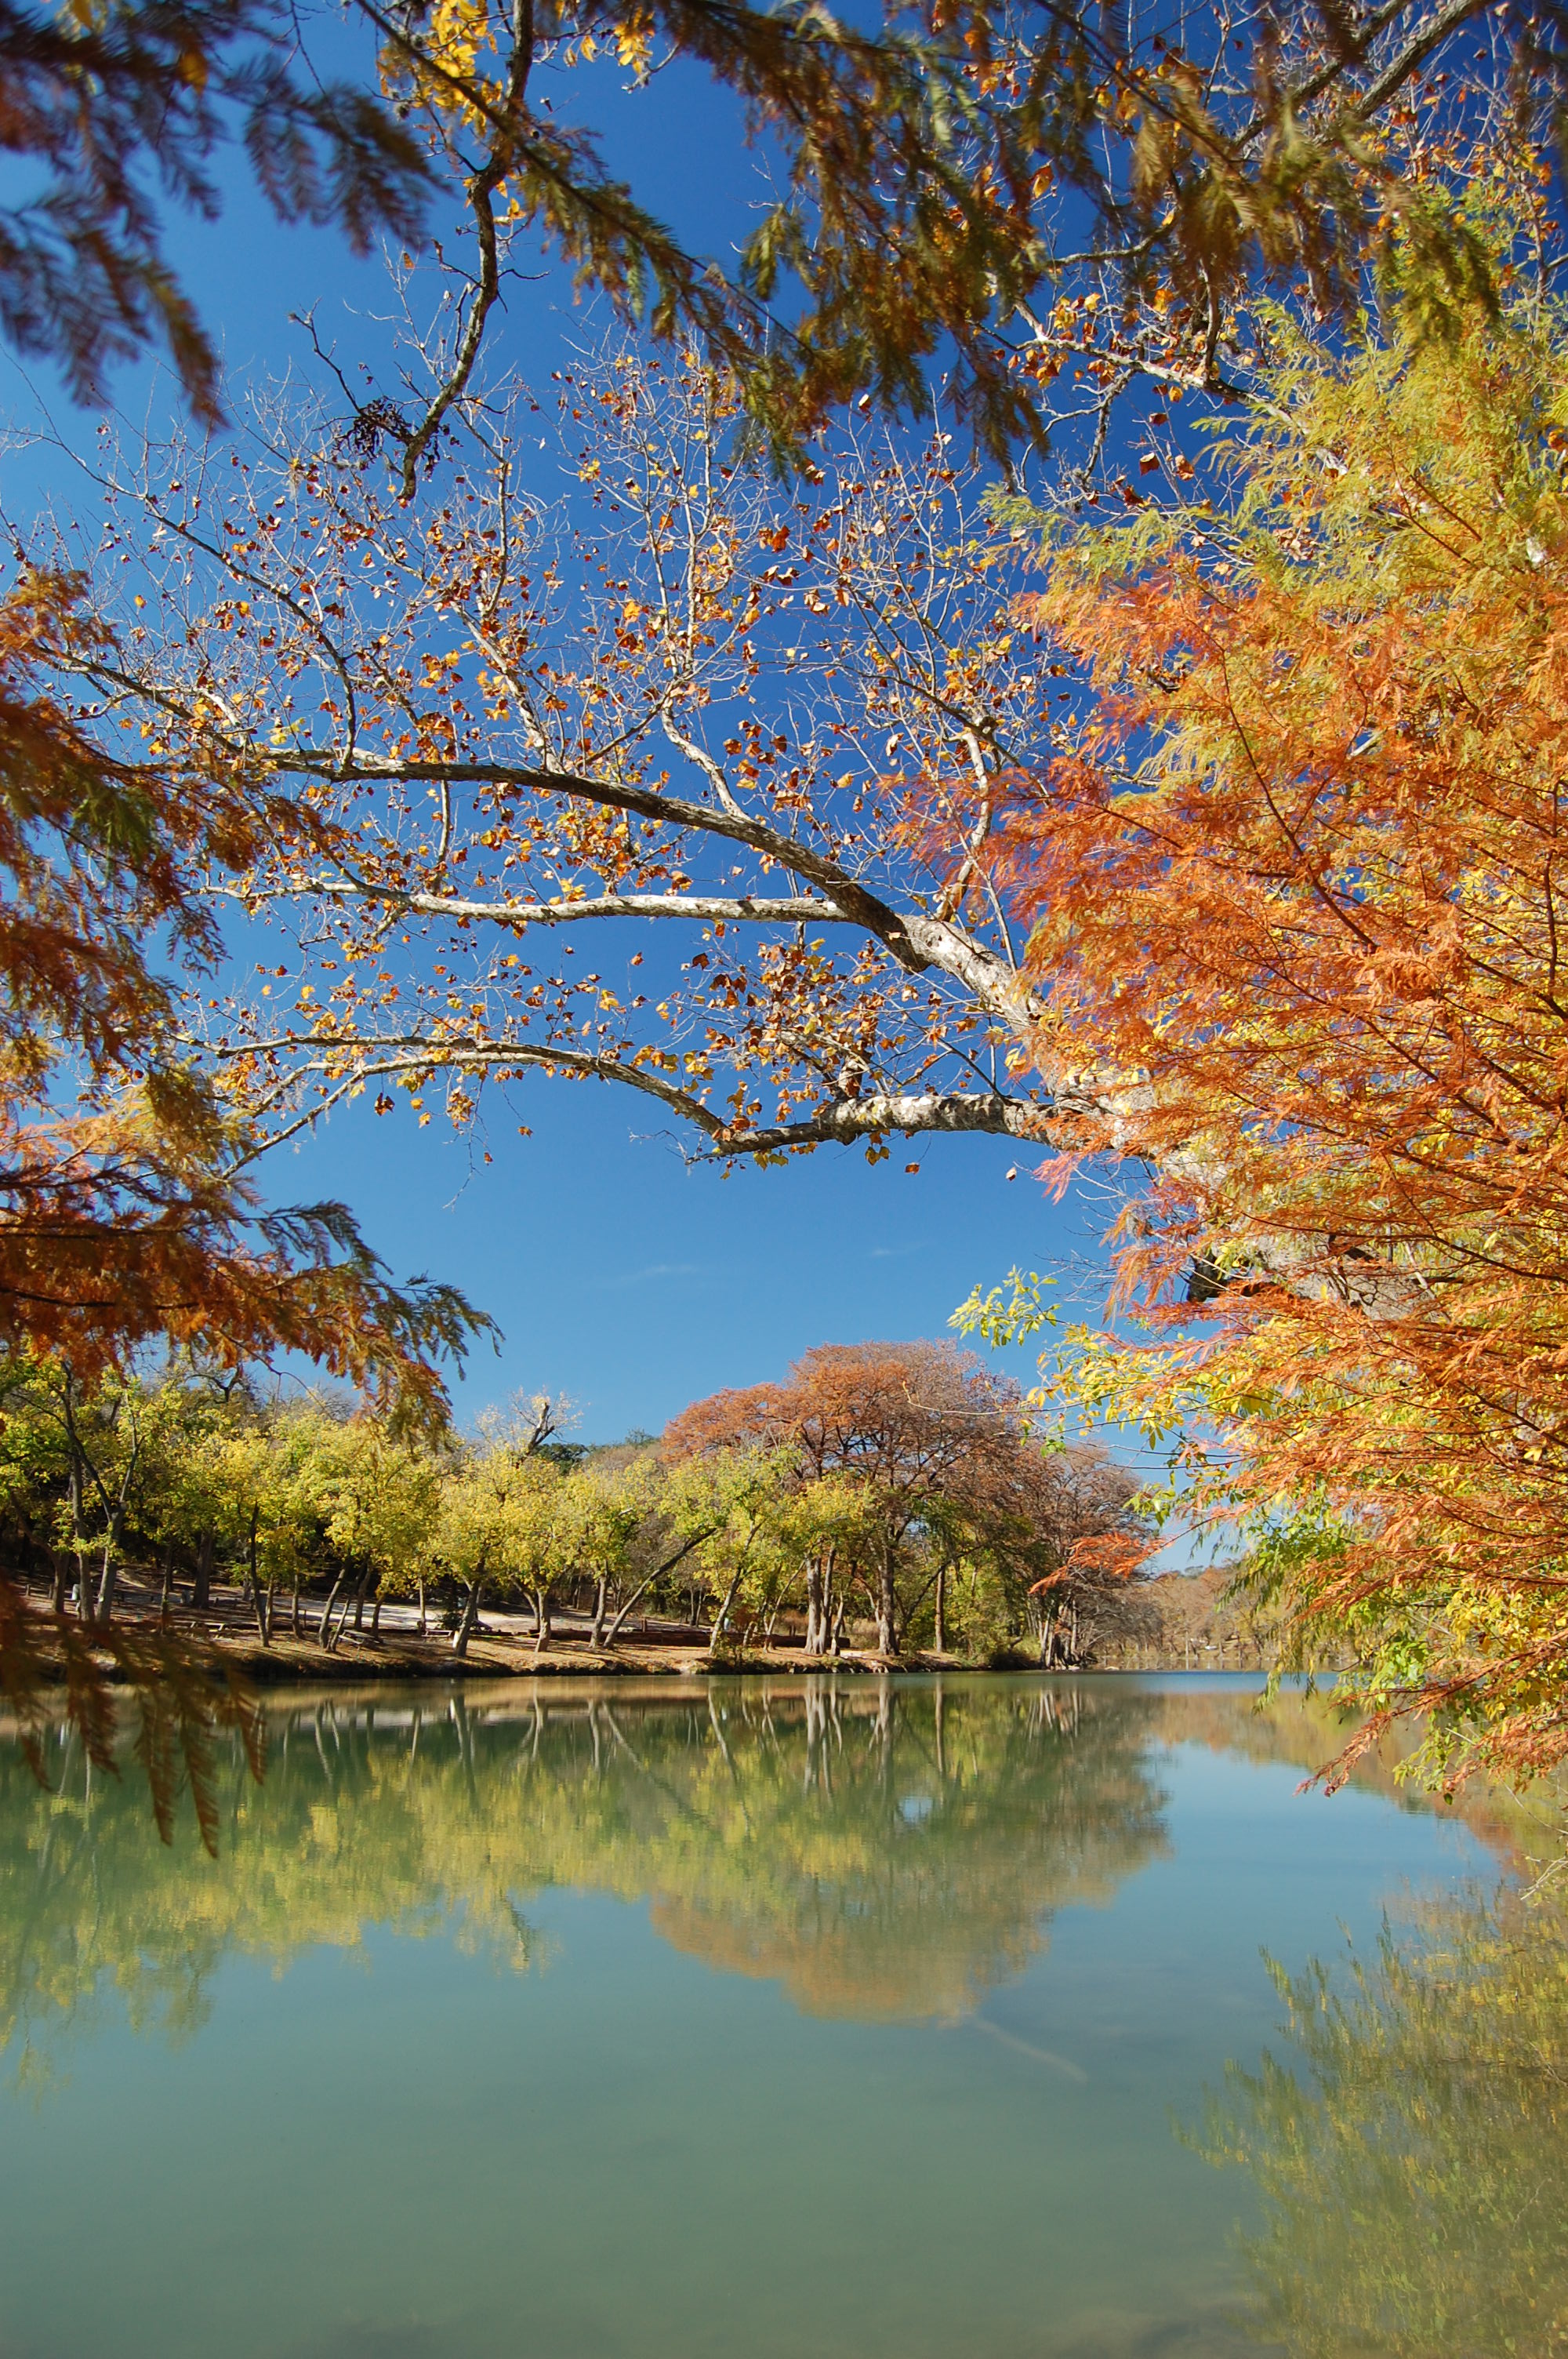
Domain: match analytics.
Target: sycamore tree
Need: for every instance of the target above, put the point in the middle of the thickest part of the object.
(804, 735)
(934, 174)
(687, 784)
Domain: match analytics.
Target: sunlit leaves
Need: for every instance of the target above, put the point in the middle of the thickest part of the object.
(1297, 880)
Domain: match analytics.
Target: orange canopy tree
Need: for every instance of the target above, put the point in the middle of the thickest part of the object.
(1297, 878)
(915, 1456)
(906, 1425)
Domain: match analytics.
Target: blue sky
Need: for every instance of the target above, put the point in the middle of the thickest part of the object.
(637, 1282)
(618, 1273)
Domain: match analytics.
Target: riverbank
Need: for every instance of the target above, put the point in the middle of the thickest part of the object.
(288, 1661)
(400, 1660)
(391, 1647)
(1191, 1624)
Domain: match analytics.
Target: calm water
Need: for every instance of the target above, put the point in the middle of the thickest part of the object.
(770, 2018)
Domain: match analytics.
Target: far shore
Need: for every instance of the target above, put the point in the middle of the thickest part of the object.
(503, 1645)
(300, 1662)
(399, 1659)
(504, 1648)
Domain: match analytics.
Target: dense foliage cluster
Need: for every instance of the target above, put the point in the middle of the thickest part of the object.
(1295, 875)
(889, 1486)
(953, 186)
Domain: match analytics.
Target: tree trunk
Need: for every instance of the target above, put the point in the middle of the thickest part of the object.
(362, 1594)
(335, 1637)
(716, 1636)
(658, 1573)
(939, 1634)
(114, 1535)
(836, 1642)
(165, 1585)
(424, 1624)
(815, 1620)
(887, 1603)
(596, 1636)
(324, 1627)
(541, 1620)
(259, 1604)
(297, 1631)
(83, 1585)
(201, 1585)
(60, 1578)
(375, 1615)
(469, 1617)
(614, 1632)
(107, 1581)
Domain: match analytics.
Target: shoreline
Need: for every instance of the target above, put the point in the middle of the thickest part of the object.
(399, 1661)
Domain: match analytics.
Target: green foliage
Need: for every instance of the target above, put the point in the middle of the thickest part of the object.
(1000, 1320)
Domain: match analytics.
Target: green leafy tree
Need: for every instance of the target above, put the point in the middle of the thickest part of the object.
(729, 1506)
(381, 1496)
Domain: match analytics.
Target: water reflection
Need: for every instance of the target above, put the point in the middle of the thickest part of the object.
(855, 1861)
(1411, 2146)
(887, 1851)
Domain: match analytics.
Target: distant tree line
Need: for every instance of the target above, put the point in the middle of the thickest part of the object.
(889, 1493)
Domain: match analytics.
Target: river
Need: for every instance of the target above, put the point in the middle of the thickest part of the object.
(828, 2018)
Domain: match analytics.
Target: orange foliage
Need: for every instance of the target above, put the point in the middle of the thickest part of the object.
(912, 1426)
(910, 1419)
(1297, 885)
(930, 1440)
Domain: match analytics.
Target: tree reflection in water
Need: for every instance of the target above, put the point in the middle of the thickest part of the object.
(1412, 2154)
(888, 1849)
